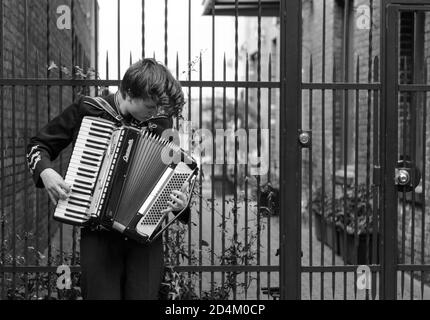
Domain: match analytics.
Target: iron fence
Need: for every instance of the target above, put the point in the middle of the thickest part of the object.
(321, 77)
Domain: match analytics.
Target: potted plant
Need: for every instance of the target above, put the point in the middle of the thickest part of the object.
(323, 204)
(355, 223)
(269, 200)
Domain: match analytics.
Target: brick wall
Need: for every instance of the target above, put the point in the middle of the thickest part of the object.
(25, 208)
(413, 226)
(358, 42)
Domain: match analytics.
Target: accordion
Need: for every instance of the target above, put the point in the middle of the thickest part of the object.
(121, 178)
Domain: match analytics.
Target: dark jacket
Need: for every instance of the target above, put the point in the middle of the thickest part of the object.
(59, 133)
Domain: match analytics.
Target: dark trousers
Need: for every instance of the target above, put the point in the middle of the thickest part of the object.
(114, 268)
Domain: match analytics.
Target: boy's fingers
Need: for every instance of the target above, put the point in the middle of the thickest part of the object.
(52, 197)
(65, 187)
(185, 187)
(172, 205)
(180, 195)
(53, 191)
(61, 194)
(165, 211)
(176, 192)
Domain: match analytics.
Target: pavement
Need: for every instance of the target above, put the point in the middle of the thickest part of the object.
(318, 286)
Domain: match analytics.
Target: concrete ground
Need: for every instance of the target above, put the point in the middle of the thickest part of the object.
(328, 286)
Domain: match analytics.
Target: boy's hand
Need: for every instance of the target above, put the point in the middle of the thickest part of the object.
(179, 200)
(54, 185)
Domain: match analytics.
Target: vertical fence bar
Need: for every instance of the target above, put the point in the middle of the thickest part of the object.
(26, 204)
(290, 170)
(389, 141)
(200, 177)
(143, 28)
(310, 178)
(323, 138)
(212, 258)
(368, 140)
(224, 173)
(269, 123)
(177, 222)
(376, 191)
(3, 155)
(166, 35)
(119, 37)
(96, 45)
(177, 77)
(259, 147)
(246, 168)
(403, 117)
(37, 217)
(60, 105)
(345, 52)
(190, 68)
(357, 123)
(424, 145)
(333, 182)
(236, 67)
(107, 65)
(48, 74)
(75, 60)
(415, 102)
(13, 137)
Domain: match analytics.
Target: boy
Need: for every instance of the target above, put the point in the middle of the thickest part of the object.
(114, 267)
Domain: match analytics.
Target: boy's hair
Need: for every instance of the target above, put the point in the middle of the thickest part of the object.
(148, 78)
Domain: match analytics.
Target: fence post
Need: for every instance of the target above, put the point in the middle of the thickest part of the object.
(389, 126)
(290, 168)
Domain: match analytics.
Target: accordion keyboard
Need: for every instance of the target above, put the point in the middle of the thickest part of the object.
(85, 163)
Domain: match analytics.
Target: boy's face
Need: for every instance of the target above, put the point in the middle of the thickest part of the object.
(140, 109)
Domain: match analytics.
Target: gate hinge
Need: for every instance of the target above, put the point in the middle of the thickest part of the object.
(376, 175)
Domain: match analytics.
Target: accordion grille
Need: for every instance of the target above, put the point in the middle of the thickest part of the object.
(154, 215)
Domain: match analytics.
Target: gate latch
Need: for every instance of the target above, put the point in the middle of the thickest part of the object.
(403, 177)
(305, 138)
(407, 176)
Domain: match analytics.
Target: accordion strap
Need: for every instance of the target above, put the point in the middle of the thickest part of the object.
(101, 103)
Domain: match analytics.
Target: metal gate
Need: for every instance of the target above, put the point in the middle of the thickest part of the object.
(361, 169)
(336, 100)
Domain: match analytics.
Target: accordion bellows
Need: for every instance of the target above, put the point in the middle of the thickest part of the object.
(122, 178)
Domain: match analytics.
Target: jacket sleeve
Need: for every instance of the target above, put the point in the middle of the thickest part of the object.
(185, 216)
(46, 145)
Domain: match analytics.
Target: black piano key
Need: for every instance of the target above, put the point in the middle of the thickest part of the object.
(84, 175)
(90, 159)
(92, 154)
(81, 192)
(74, 211)
(98, 135)
(79, 199)
(83, 182)
(94, 147)
(87, 171)
(97, 142)
(82, 188)
(101, 126)
(89, 163)
(79, 204)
